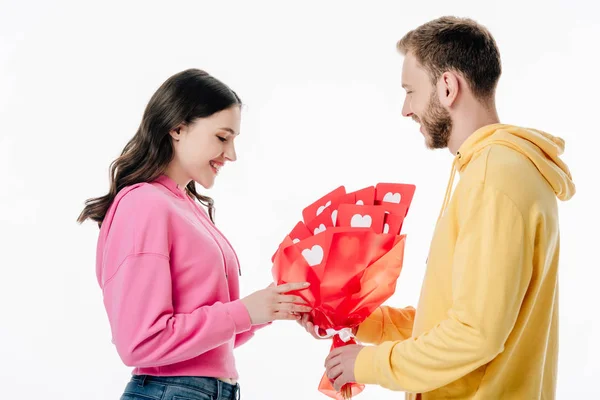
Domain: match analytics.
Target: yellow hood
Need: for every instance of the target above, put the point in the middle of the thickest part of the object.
(542, 149)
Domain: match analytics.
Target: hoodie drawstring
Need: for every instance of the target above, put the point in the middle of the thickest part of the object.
(449, 187)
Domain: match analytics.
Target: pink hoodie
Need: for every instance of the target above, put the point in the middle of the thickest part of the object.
(170, 284)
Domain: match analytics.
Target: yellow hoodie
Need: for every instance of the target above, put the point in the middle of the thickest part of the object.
(486, 326)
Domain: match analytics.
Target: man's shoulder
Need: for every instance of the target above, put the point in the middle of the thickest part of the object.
(510, 173)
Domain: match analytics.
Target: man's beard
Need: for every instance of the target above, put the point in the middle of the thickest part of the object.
(437, 124)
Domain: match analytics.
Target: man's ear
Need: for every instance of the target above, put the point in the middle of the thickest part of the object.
(449, 86)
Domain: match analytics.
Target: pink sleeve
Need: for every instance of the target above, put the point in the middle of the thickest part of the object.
(242, 338)
(147, 332)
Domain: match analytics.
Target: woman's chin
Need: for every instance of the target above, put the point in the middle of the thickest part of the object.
(206, 183)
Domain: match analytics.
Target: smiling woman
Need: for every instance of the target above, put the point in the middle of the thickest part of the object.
(203, 147)
(169, 277)
(182, 125)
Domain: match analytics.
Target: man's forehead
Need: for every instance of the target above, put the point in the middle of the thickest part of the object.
(409, 64)
(412, 72)
(407, 72)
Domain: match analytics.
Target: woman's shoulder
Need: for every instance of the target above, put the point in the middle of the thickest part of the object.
(141, 196)
(140, 203)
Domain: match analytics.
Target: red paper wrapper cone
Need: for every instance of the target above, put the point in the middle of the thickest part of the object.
(358, 272)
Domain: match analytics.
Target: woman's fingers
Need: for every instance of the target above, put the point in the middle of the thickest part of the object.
(289, 287)
(290, 307)
(289, 298)
(284, 315)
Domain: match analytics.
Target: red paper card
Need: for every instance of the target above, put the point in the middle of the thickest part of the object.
(396, 193)
(299, 232)
(320, 222)
(318, 206)
(315, 250)
(361, 217)
(345, 199)
(393, 223)
(392, 208)
(365, 197)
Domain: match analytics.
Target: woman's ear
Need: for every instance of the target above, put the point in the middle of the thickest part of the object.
(176, 133)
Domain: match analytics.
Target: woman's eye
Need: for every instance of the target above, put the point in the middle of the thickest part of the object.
(222, 139)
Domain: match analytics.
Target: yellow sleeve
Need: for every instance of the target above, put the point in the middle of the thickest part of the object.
(387, 324)
(491, 270)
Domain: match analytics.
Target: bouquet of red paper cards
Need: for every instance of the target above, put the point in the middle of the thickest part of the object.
(350, 248)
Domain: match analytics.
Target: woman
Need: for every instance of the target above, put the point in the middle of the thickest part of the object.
(169, 277)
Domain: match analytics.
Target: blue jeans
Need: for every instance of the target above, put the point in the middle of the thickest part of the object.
(145, 387)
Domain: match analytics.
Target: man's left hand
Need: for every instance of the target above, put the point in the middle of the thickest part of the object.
(340, 365)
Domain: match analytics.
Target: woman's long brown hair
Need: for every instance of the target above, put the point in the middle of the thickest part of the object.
(181, 99)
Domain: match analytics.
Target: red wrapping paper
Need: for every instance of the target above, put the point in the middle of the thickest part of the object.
(351, 270)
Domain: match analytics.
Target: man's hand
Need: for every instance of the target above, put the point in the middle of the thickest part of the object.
(340, 365)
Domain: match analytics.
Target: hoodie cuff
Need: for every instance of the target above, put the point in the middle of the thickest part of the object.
(257, 327)
(364, 366)
(239, 313)
(371, 329)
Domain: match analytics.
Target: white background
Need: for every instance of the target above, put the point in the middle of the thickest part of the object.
(321, 84)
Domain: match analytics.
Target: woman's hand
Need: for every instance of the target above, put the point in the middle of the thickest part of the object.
(272, 303)
(307, 324)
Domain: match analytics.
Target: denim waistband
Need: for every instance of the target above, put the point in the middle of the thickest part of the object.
(213, 386)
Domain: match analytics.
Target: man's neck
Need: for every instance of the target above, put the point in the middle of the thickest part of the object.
(469, 120)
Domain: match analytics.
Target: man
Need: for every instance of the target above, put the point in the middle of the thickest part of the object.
(486, 326)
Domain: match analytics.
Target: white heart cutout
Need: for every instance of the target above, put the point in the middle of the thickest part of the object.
(360, 203)
(386, 228)
(392, 197)
(360, 221)
(320, 229)
(322, 208)
(313, 256)
(295, 240)
(334, 217)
